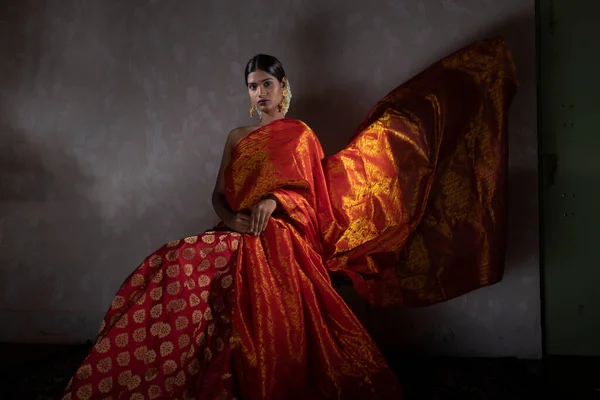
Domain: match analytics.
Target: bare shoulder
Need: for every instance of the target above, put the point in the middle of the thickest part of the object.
(239, 133)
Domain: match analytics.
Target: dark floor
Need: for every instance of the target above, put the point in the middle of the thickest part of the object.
(41, 372)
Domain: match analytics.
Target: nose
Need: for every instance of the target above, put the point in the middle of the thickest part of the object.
(261, 91)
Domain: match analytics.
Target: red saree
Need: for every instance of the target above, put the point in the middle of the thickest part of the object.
(412, 210)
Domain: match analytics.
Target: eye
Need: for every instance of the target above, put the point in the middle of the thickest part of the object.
(252, 86)
(267, 83)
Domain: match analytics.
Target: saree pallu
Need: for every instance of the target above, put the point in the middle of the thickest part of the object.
(412, 210)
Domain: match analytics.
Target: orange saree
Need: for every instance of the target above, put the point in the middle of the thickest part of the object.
(412, 210)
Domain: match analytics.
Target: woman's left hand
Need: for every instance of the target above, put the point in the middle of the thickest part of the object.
(260, 215)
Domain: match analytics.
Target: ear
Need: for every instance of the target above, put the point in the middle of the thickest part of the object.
(284, 82)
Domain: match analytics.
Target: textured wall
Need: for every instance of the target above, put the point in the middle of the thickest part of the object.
(113, 115)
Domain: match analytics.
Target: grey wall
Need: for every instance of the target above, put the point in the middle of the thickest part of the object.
(113, 116)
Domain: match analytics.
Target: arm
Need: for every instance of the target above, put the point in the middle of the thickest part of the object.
(236, 222)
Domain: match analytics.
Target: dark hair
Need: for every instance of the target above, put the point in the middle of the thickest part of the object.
(266, 63)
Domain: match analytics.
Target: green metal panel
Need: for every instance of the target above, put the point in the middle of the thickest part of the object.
(569, 39)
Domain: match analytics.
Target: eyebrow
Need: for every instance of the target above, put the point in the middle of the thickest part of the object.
(264, 80)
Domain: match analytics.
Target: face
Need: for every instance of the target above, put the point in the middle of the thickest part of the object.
(265, 91)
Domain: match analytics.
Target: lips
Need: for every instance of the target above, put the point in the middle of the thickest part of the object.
(262, 102)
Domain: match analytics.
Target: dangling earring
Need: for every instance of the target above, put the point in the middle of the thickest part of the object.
(252, 111)
(284, 102)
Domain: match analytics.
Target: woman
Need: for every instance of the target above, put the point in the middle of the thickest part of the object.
(412, 210)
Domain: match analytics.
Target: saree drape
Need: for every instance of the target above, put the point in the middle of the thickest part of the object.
(412, 210)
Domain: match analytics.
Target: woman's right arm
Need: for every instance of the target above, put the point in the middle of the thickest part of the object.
(236, 222)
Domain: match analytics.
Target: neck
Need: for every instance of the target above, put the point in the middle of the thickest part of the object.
(267, 118)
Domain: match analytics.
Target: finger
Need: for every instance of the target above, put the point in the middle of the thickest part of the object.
(252, 219)
(259, 221)
(254, 223)
(244, 226)
(265, 221)
(244, 217)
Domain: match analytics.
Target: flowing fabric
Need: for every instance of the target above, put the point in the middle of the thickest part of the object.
(412, 210)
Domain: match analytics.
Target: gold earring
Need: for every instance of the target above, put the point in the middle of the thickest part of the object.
(252, 111)
(283, 103)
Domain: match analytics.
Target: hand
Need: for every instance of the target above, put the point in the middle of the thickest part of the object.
(260, 215)
(239, 223)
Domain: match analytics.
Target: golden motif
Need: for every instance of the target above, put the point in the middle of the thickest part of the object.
(191, 239)
(123, 359)
(169, 367)
(117, 302)
(124, 378)
(85, 392)
(183, 340)
(105, 385)
(203, 265)
(181, 323)
(172, 255)
(140, 353)
(103, 346)
(174, 288)
(123, 321)
(166, 348)
(139, 335)
(137, 280)
(197, 316)
(189, 253)
(158, 277)
(208, 239)
(155, 260)
(154, 392)
(221, 262)
(156, 293)
(173, 271)
(122, 339)
(104, 365)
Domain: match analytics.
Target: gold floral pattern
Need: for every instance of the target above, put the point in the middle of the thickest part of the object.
(194, 300)
(104, 365)
(137, 280)
(189, 253)
(208, 238)
(155, 260)
(122, 339)
(156, 293)
(160, 329)
(118, 302)
(139, 335)
(221, 262)
(173, 271)
(183, 341)
(203, 281)
(141, 320)
(123, 359)
(156, 311)
(154, 392)
(203, 265)
(103, 346)
(140, 353)
(105, 385)
(173, 288)
(191, 239)
(172, 255)
(85, 392)
(166, 348)
(181, 322)
(169, 367)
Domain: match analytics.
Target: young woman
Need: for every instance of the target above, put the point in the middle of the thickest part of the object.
(412, 210)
